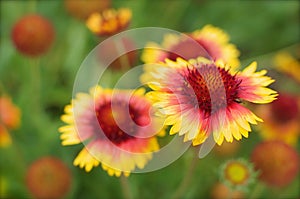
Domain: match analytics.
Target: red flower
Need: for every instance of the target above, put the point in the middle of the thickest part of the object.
(33, 35)
(277, 162)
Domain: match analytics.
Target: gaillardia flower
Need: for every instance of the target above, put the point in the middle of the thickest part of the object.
(277, 162)
(82, 9)
(109, 22)
(48, 177)
(221, 191)
(9, 119)
(117, 128)
(287, 64)
(237, 174)
(202, 97)
(281, 119)
(33, 35)
(210, 42)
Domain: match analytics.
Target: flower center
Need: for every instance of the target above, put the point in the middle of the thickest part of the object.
(120, 122)
(236, 173)
(214, 87)
(285, 108)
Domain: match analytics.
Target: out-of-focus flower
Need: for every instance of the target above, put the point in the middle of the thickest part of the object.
(115, 127)
(109, 22)
(227, 148)
(202, 97)
(111, 48)
(220, 191)
(281, 119)
(33, 35)
(286, 63)
(9, 119)
(5, 139)
(82, 9)
(237, 174)
(210, 42)
(277, 163)
(48, 177)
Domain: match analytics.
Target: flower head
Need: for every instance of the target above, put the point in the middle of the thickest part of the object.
(48, 177)
(109, 22)
(277, 162)
(281, 119)
(9, 119)
(117, 128)
(33, 35)
(221, 191)
(287, 64)
(202, 97)
(237, 174)
(82, 9)
(210, 42)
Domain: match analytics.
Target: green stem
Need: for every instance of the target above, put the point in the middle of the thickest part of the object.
(187, 178)
(125, 187)
(32, 6)
(35, 85)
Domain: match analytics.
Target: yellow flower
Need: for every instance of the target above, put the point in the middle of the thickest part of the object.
(237, 174)
(210, 42)
(109, 22)
(202, 97)
(287, 64)
(117, 128)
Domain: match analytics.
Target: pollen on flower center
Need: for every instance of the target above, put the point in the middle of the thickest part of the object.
(119, 122)
(210, 83)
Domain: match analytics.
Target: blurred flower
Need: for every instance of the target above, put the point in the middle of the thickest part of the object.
(82, 9)
(277, 163)
(210, 42)
(227, 148)
(202, 97)
(115, 125)
(287, 64)
(48, 177)
(281, 119)
(9, 119)
(237, 174)
(220, 191)
(109, 22)
(5, 139)
(111, 48)
(33, 35)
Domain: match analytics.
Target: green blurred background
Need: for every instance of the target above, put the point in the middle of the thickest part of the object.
(258, 28)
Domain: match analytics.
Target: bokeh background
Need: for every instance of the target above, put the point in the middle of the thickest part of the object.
(41, 87)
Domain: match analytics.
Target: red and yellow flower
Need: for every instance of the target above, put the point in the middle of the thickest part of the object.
(9, 119)
(287, 64)
(117, 128)
(281, 119)
(201, 97)
(210, 42)
(109, 22)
